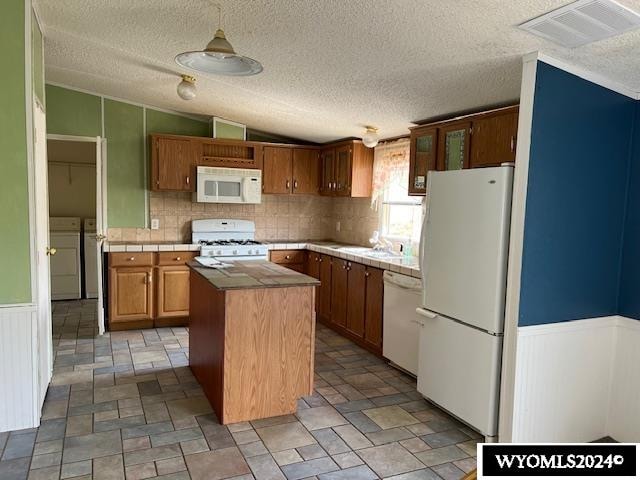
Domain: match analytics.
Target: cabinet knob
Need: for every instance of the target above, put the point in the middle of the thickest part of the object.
(288, 257)
(188, 180)
(131, 259)
(178, 259)
(295, 184)
(288, 184)
(366, 274)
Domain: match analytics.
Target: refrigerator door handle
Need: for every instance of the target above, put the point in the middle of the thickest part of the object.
(426, 313)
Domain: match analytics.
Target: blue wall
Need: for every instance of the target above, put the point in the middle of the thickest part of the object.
(576, 199)
(629, 300)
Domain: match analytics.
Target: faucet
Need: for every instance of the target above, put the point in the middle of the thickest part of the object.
(379, 243)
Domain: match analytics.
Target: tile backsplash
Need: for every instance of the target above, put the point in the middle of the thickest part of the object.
(278, 217)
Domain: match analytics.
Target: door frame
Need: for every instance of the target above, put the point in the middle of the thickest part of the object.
(101, 206)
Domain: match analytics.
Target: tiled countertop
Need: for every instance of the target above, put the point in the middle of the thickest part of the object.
(405, 265)
(253, 274)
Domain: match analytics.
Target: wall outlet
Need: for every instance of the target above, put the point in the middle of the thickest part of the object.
(155, 224)
(337, 226)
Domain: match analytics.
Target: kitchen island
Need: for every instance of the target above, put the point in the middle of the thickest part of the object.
(251, 338)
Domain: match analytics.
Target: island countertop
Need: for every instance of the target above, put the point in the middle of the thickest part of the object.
(245, 274)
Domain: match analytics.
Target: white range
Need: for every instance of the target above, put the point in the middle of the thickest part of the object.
(221, 240)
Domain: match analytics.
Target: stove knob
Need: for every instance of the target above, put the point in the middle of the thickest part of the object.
(249, 252)
(235, 252)
(219, 252)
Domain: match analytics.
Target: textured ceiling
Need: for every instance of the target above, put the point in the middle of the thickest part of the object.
(330, 66)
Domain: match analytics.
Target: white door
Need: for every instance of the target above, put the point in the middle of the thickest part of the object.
(101, 227)
(43, 286)
(459, 369)
(465, 241)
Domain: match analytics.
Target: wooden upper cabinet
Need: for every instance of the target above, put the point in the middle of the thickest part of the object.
(306, 168)
(423, 150)
(172, 164)
(277, 174)
(373, 308)
(327, 161)
(493, 141)
(347, 170)
(342, 174)
(453, 146)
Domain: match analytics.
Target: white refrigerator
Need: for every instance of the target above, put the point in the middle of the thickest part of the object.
(463, 260)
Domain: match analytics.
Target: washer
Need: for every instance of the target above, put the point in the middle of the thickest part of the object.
(64, 233)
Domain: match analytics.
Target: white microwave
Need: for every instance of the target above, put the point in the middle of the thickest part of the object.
(228, 185)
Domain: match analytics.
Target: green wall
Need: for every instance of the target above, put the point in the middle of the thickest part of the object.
(163, 122)
(15, 281)
(70, 112)
(73, 113)
(37, 60)
(126, 182)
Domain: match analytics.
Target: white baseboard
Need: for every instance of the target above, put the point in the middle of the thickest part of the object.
(19, 397)
(624, 404)
(563, 378)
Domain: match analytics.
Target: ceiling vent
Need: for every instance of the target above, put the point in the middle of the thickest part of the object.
(583, 22)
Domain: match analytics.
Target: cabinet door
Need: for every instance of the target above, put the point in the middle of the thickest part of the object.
(494, 139)
(343, 170)
(172, 163)
(356, 295)
(373, 308)
(339, 293)
(327, 171)
(172, 299)
(422, 159)
(306, 167)
(131, 295)
(276, 170)
(324, 292)
(453, 146)
(313, 270)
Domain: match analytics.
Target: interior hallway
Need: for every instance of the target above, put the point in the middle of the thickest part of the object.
(125, 405)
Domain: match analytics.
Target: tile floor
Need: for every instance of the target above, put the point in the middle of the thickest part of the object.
(125, 405)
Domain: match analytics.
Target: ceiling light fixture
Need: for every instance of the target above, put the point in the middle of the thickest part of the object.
(219, 57)
(187, 88)
(371, 137)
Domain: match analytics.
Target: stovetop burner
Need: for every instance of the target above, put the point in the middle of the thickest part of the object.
(229, 242)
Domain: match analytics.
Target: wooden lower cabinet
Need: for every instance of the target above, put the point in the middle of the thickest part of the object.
(374, 288)
(339, 294)
(313, 270)
(131, 297)
(350, 300)
(293, 259)
(147, 290)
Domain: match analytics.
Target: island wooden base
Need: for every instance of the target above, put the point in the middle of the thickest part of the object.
(252, 350)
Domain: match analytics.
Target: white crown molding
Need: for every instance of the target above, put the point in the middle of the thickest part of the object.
(582, 73)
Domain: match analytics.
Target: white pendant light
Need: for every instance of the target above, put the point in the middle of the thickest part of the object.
(219, 57)
(371, 137)
(187, 88)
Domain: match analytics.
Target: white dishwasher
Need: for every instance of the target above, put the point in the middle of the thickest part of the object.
(401, 331)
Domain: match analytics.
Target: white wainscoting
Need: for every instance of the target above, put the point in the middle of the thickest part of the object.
(563, 381)
(19, 398)
(624, 405)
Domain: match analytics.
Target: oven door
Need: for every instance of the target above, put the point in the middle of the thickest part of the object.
(220, 189)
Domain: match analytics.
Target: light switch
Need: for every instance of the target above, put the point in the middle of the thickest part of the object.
(155, 223)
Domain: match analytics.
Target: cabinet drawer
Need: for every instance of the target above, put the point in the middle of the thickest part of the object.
(288, 256)
(131, 259)
(175, 258)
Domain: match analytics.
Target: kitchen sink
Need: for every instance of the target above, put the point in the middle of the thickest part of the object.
(369, 252)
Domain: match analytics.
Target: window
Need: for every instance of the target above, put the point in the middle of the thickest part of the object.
(400, 214)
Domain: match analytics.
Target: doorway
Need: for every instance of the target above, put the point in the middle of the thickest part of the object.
(76, 220)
